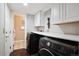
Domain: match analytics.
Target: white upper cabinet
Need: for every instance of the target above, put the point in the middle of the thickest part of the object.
(58, 13)
(72, 11)
(65, 13)
(55, 13)
(38, 18)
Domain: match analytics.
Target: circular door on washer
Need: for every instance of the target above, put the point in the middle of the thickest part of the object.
(44, 45)
(45, 52)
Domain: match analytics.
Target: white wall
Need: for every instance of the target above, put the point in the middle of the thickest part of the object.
(72, 28)
(5, 30)
(29, 23)
(8, 30)
(2, 41)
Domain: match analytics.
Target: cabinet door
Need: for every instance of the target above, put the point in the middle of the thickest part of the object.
(63, 11)
(2, 41)
(56, 13)
(37, 19)
(42, 19)
(72, 11)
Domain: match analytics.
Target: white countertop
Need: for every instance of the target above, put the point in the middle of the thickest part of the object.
(62, 36)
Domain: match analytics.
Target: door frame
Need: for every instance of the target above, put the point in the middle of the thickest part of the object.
(24, 15)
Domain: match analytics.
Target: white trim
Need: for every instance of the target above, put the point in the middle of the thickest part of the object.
(19, 14)
(19, 40)
(15, 13)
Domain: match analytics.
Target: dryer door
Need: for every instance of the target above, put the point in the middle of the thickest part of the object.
(45, 52)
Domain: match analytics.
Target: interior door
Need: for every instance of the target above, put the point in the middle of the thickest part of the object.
(19, 40)
(2, 29)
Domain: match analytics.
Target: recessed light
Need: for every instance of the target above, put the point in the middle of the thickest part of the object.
(25, 4)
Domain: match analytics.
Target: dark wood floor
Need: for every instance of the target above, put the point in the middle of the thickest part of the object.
(19, 52)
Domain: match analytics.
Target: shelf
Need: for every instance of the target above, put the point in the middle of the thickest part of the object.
(65, 22)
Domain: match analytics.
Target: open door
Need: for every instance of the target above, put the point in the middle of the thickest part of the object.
(19, 32)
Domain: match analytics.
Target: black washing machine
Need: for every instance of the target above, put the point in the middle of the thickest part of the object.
(58, 47)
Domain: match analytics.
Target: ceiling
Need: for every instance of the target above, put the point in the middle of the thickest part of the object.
(31, 8)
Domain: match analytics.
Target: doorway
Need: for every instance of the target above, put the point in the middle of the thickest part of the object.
(19, 32)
